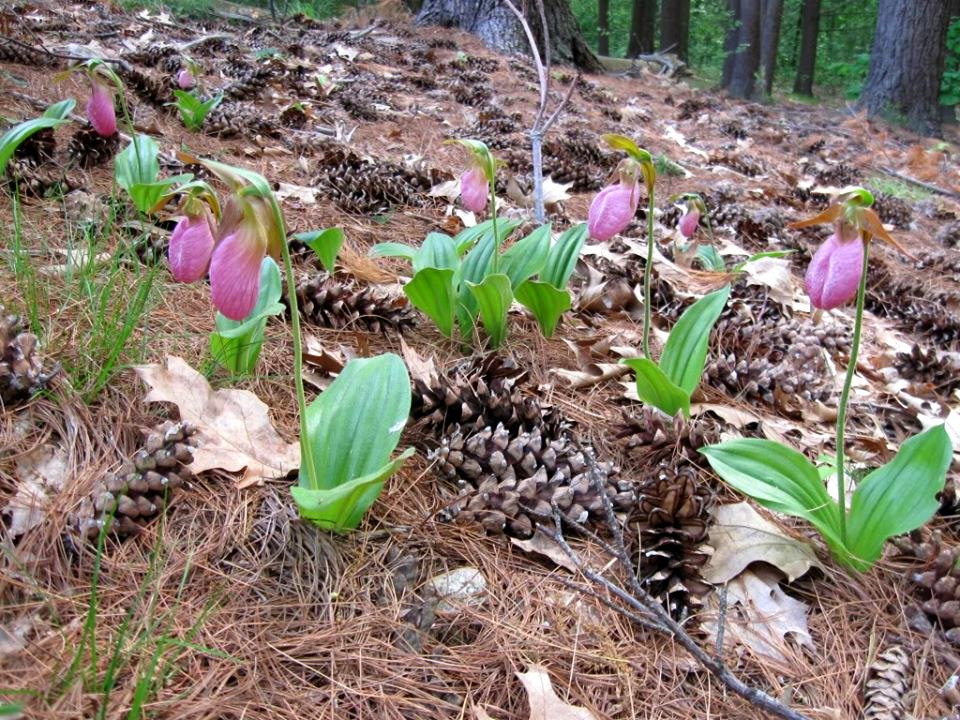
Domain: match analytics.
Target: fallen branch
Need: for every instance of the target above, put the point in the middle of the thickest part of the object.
(644, 608)
(920, 183)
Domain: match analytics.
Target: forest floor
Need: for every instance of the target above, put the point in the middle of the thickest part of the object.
(230, 607)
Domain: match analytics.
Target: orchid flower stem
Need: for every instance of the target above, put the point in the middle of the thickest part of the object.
(647, 272)
(306, 456)
(493, 222)
(845, 393)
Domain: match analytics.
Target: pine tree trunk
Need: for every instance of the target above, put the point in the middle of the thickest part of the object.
(642, 27)
(498, 28)
(730, 41)
(746, 59)
(906, 63)
(603, 27)
(769, 41)
(675, 27)
(809, 29)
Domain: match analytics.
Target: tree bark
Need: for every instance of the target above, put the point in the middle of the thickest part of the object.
(769, 41)
(499, 29)
(603, 27)
(746, 59)
(730, 41)
(809, 30)
(906, 63)
(642, 21)
(675, 27)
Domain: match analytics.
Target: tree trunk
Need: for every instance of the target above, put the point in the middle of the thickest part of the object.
(603, 27)
(642, 21)
(675, 27)
(809, 28)
(769, 41)
(730, 41)
(498, 28)
(906, 63)
(746, 59)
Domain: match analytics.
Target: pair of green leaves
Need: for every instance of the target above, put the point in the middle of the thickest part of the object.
(457, 279)
(236, 344)
(353, 428)
(893, 499)
(53, 116)
(669, 385)
(137, 170)
(193, 111)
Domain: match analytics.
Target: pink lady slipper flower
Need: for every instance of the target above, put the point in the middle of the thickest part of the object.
(689, 223)
(834, 273)
(100, 111)
(191, 245)
(185, 79)
(474, 190)
(612, 210)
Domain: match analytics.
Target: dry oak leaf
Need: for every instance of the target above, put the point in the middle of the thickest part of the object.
(234, 432)
(741, 536)
(544, 703)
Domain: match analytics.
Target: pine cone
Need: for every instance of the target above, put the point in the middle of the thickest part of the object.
(90, 149)
(485, 393)
(230, 119)
(939, 370)
(12, 51)
(21, 366)
(674, 511)
(248, 84)
(889, 678)
(147, 88)
(330, 302)
(839, 175)
(893, 210)
(358, 108)
(937, 580)
(38, 148)
(949, 234)
(164, 57)
(141, 488)
(652, 438)
(509, 481)
(741, 162)
(29, 178)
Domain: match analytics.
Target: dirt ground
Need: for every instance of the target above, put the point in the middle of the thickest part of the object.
(231, 607)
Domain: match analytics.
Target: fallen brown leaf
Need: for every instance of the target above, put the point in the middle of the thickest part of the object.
(234, 431)
(544, 703)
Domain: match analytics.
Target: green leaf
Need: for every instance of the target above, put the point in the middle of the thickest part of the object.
(467, 238)
(562, 258)
(53, 116)
(760, 255)
(137, 164)
(194, 111)
(432, 291)
(655, 388)
(236, 344)
(352, 429)
(325, 243)
(493, 298)
(393, 249)
(711, 259)
(474, 269)
(437, 251)
(779, 478)
(898, 497)
(342, 508)
(621, 142)
(526, 257)
(546, 302)
(685, 353)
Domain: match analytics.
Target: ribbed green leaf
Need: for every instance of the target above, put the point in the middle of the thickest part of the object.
(655, 388)
(685, 353)
(898, 497)
(53, 116)
(393, 249)
(437, 251)
(326, 243)
(562, 258)
(780, 478)
(466, 239)
(355, 424)
(546, 302)
(526, 257)
(493, 298)
(432, 291)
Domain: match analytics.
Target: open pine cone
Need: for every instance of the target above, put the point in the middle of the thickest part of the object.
(138, 492)
(21, 366)
(937, 579)
(331, 302)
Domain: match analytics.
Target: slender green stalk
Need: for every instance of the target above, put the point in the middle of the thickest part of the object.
(845, 393)
(647, 272)
(306, 456)
(493, 221)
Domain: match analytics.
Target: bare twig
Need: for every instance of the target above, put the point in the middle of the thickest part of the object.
(540, 128)
(648, 612)
(919, 183)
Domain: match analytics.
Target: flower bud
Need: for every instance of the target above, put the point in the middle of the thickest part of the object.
(612, 210)
(185, 79)
(191, 244)
(474, 190)
(100, 110)
(834, 273)
(688, 223)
